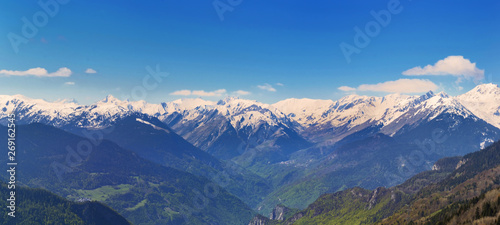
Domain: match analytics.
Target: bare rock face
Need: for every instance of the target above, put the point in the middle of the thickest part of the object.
(259, 220)
(376, 194)
(461, 163)
(278, 213)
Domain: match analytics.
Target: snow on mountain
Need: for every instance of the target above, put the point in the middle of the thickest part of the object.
(354, 110)
(443, 103)
(152, 125)
(484, 102)
(37, 110)
(392, 111)
(240, 112)
(417, 109)
(187, 104)
(111, 106)
(350, 110)
(304, 111)
(333, 120)
(232, 125)
(61, 107)
(64, 112)
(248, 113)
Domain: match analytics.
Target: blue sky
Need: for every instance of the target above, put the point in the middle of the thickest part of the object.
(262, 50)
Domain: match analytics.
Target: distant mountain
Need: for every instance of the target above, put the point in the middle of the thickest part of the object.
(246, 124)
(36, 206)
(155, 141)
(63, 113)
(301, 147)
(142, 191)
(352, 110)
(459, 190)
(305, 112)
(484, 102)
(242, 124)
(233, 126)
(330, 122)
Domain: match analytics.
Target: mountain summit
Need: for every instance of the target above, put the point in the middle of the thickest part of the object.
(484, 102)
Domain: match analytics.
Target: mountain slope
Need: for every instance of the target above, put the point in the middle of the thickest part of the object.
(460, 190)
(432, 126)
(379, 160)
(484, 102)
(142, 191)
(246, 124)
(233, 126)
(155, 141)
(36, 206)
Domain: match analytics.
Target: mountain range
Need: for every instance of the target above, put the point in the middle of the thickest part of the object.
(287, 153)
(307, 117)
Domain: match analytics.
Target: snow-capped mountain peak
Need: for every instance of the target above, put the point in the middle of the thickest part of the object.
(187, 104)
(236, 102)
(305, 110)
(443, 94)
(353, 110)
(484, 102)
(110, 99)
(485, 89)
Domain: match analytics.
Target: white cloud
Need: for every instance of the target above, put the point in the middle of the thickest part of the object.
(267, 87)
(346, 88)
(401, 86)
(69, 83)
(90, 70)
(200, 93)
(406, 86)
(181, 92)
(211, 93)
(280, 84)
(38, 72)
(241, 92)
(452, 65)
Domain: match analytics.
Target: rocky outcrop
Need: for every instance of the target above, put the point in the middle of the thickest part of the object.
(446, 164)
(376, 195)
(461, 163)
(279, 212)
(259, 220)
(294, 218)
